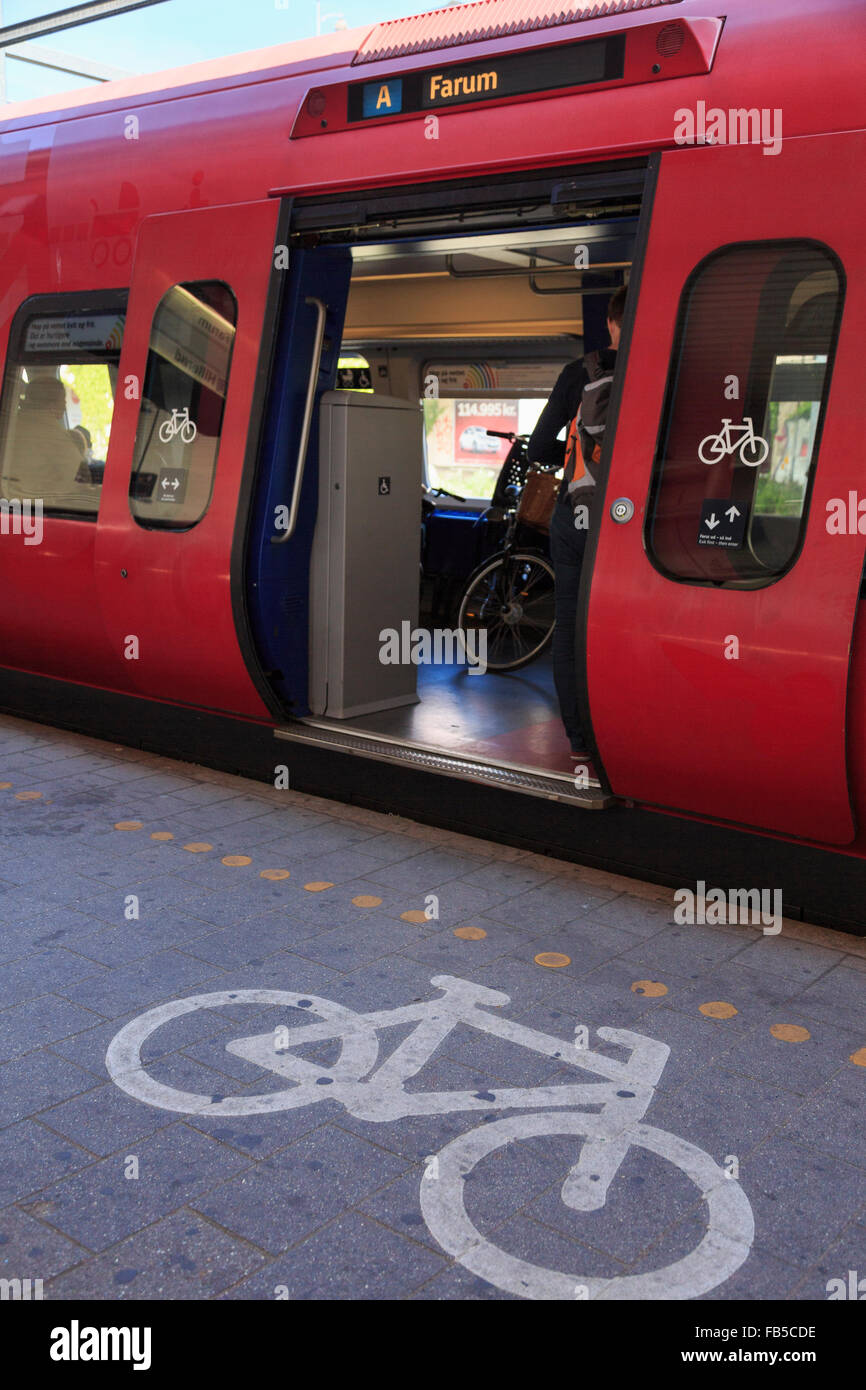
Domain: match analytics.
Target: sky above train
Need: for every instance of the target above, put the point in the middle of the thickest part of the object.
(176, 32)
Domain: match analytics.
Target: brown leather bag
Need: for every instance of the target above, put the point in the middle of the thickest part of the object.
(538, 499)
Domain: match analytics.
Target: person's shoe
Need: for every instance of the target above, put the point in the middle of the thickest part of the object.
(578, 750)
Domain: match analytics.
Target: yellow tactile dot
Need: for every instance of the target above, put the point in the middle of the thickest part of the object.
(129, 825)
(274, 874)
(367, 900)
(552, 959)
(4, 786)
(790, 1032)
(236, 861)
(858, 1057)
(415, 914)
(198, 847)
(317, 886)
(161, 835)
(654, 989)
(470, 933)
(717, 1008)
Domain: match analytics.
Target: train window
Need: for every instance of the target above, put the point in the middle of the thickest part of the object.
(747, 390)
(472, 399)
(58, 402)
(177, 440)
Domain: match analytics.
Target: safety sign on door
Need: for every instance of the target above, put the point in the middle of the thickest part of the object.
(723, 522)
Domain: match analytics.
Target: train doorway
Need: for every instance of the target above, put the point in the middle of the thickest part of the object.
(404, 350)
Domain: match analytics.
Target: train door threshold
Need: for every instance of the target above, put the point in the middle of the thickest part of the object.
(549, 785)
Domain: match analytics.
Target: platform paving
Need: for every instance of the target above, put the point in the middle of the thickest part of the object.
(130, 882)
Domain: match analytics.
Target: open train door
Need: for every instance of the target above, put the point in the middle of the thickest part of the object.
(722, 583)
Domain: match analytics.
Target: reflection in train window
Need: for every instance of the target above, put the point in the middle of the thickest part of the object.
(177, 440)
(748, 386)
(58, 404)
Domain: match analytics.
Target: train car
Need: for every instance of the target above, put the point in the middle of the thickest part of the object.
(285, 292)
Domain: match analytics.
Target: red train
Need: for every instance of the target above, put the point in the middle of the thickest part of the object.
(446, 202)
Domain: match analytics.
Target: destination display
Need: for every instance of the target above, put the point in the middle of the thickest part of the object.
(517, 74)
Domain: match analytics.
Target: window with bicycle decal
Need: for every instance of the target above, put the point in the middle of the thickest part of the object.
(749, 379)
(177, 440)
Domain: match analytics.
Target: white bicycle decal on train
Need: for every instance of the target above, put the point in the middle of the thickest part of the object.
(753, 448)
(377, 1093)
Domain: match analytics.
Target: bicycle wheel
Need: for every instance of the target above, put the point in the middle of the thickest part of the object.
(754, 451)
(166, 432)
(723, 1248)
(359, 1051)
(187, 431)
(511, 599)
(711, 449)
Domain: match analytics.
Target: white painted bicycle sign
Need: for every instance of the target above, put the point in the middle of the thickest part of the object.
(376, 1091)
(753, 448)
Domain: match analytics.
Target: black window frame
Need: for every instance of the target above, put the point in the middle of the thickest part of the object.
(160, 524)
(671, 390)
(61, 303)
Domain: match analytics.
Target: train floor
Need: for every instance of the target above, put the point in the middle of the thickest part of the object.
(511, 717)
(255, 1041)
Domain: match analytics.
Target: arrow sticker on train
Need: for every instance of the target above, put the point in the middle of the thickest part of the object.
(723, 523)
(172, 485)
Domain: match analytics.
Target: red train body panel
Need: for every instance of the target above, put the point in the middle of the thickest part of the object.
(156, 181)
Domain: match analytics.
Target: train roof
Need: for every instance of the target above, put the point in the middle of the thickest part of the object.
(809, 37)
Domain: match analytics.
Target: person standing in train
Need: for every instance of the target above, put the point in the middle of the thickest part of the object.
(581, 390)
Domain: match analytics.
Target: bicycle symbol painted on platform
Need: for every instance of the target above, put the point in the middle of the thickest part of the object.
(377, 1093)
(753, 448)
(181, 424)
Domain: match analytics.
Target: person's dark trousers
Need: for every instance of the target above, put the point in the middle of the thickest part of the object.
(567, 545)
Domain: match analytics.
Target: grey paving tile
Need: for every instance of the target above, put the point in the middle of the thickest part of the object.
(839, 1275)
(512, 877)
(832, 1120)
(155, 978)
(33, 1025)
(803, 1200)
(757, 996)
(100, 1206)
(613, 995)
(243, 945)
(31, 1157)
(218, 814)
(724, 1113)
(687, 950)
(255, 1208)
(839, 995)
(347, 1165)
(353, 1258)
(800, 960)
(425, 871)
(398, 1205)
(44, 971)
(638, 916)
(36, 1082)
(459, 1284)
(551, 905)
(31, 1250)
(798, 1066)
(454, 955)
(180, 1257)
(105, 1119)
(349, 947)
(585, 949)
